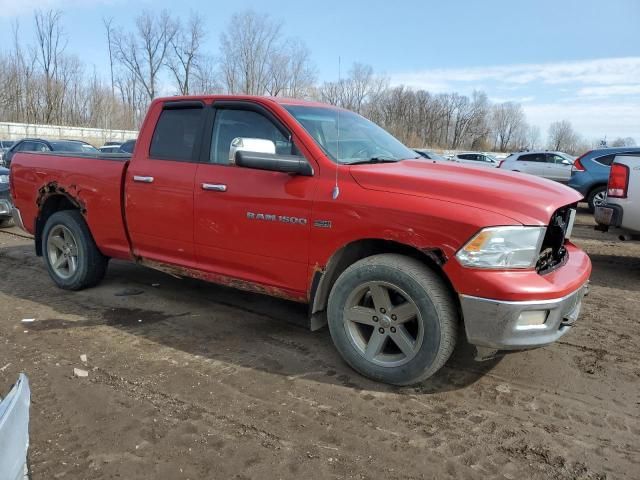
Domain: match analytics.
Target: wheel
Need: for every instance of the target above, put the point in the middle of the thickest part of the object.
(6, 223)
(596, 197)
(71, 255)
(393, 319)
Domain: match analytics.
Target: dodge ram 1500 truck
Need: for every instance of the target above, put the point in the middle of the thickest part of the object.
(304, 201)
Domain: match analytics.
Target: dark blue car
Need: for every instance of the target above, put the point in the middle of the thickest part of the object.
(590, 173)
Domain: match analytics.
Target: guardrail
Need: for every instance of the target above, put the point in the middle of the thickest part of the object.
(95, 136)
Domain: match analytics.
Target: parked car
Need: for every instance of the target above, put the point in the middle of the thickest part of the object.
(399, 255)
(621, 207)
(128, 146)
(476, 159)
(125, 147)
(428, 154)
(110, 149)
(590, 173)
(6, 219)
(112, 143)
(14, 431)
(552, 165)
(41, 145)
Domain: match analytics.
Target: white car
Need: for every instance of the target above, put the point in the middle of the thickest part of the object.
(477, 159)
(552, 165)
(622, 205)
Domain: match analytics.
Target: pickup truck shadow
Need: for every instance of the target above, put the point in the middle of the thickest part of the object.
(240, 329)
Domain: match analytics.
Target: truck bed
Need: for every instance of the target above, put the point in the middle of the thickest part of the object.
(93, 182)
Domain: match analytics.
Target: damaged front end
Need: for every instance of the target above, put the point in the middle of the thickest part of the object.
(14, 431)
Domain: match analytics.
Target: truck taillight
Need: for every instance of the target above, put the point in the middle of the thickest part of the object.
(618, 181)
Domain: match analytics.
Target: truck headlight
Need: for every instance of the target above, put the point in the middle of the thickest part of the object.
(4, 178)
(503, 247)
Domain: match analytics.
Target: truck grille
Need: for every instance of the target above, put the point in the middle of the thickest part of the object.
(553, 253)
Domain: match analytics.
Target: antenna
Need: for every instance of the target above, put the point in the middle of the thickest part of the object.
(336, 188)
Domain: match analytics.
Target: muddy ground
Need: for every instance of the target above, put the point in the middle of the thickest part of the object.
(188, 380)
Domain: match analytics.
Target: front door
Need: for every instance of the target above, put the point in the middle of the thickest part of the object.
(159, 185)
(252, 224)
(558, 167)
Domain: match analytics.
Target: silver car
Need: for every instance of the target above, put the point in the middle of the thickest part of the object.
(622, 206)
(552, 165)
(477, 159)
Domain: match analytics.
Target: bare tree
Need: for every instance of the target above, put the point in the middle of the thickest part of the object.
(533, 137)
(508, 122)
(246, 48)
(50, 47)
(143, 52)
(623, 142)
(107, 22)
(206, 78)
(256, 59)
(185, 55)
(562, 137)
(353, 92)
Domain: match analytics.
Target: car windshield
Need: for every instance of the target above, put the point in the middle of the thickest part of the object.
(359, 139)
(73, 147)
(492, 158)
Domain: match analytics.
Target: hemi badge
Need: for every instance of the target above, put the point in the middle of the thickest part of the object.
(322, 223)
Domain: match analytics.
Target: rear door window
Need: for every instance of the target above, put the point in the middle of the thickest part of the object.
(532, 157)
(177, 134)
(606, 160)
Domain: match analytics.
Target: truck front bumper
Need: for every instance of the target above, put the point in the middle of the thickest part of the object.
(506, 325)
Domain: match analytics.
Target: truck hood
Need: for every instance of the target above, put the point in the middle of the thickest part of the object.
(524, 198)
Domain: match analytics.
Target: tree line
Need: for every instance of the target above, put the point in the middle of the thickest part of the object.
(41, 82)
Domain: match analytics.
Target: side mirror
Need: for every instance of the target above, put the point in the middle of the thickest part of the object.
(567, 162)
(292, 164)
(255, 145)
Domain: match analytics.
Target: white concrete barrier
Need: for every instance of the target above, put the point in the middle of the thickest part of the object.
(95, 136)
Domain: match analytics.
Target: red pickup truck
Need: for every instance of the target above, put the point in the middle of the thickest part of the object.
(311, 203)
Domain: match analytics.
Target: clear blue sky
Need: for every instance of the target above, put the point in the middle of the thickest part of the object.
(578, 60)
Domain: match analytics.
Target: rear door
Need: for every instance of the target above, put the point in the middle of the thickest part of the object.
(533, 163)
(252, 224)
(159, 185)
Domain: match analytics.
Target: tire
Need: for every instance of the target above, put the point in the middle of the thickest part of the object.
(68, 228)
(6, 223)
(422, 296)
(592, 198)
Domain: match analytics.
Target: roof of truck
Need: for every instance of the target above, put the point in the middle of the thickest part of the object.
(279, 100)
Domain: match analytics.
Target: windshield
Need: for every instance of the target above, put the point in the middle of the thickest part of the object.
(360, 139)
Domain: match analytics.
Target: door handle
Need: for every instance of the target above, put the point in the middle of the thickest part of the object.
(214, 187)
(142, 179)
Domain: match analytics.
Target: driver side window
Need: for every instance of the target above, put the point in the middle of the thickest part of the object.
(230, 124)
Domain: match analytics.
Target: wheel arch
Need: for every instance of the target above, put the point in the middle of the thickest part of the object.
(324, 278)
(50, 204)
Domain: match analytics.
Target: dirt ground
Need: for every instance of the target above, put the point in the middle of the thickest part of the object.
(190, 381)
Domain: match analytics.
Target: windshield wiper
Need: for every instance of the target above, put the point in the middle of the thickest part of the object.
(373, 160)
